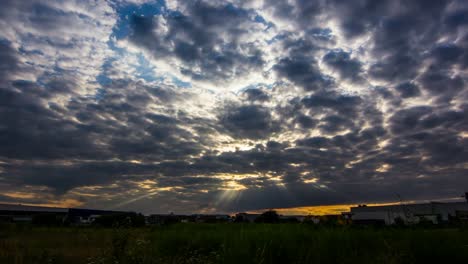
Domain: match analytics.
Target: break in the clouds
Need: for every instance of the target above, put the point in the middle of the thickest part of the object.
(204, 106)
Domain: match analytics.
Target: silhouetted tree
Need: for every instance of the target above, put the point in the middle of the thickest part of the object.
(270, 216)
(239, 219)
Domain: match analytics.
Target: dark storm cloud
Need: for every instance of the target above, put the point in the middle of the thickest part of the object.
(457, 17)
(344, 104)
(389, 70)
(143, 34)
(306, 121)
(299, 65)
(440, 82)
(248, 121)
(26, 134)
(8, 60)
(63, 178)
(401, 32)
(432, 134)
(137, 134)
(421, 118)
(342, 62)
(302, 12)
(255, 94)
(334, 123)
(408, 89)
(448, 53)
(358, 17)
(303, 72)
(405, 120)
(204, 36)
(29, 130)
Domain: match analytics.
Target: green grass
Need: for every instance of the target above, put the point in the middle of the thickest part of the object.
(232, 243)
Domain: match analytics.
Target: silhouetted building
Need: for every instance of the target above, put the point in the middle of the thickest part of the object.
(162, 219)
(215, 218)
(43, 214)
(25, 213)
(88, 216)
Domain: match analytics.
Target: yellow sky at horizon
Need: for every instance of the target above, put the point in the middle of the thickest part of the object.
(340, 208)
(319, 209)
(302, 210)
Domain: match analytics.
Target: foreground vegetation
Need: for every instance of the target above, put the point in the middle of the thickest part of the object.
(231, 243)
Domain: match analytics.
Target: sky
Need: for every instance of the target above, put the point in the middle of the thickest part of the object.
(229, 106)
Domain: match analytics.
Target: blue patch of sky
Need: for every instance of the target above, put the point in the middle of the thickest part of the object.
(102, 78)
(328, 79)
(32, 52)
(4, 41)
(321, 33)
(174, 14)
(145, 71)
(259, 19)
(338, 50)
(121, 30)
(100, 94)
(276, 38)
(116, 49)
(180, 83)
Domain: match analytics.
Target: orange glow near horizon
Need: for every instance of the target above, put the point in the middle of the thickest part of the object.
(319, 209)
(67, 203)
(20, 195)
(341, 208)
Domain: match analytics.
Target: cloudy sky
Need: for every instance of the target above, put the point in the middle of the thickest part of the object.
(225, 106)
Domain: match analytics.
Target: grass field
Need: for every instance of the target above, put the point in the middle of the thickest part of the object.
(232, 243)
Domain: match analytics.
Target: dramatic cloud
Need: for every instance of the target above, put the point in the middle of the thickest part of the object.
(210, 42)
(224, 106)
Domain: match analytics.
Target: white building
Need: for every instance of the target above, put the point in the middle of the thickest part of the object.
(434, 212)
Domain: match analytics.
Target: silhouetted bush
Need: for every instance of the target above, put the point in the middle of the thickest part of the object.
(399, 222)
(47, 220)
(121, 220)
(289, 220)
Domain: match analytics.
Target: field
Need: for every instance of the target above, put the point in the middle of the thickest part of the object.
(231, 243)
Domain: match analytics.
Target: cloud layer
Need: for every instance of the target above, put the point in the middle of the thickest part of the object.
(217, 106)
